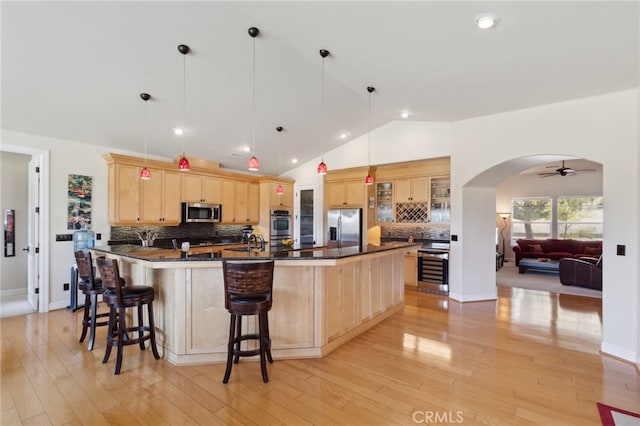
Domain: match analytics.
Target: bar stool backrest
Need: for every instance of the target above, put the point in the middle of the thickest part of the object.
(110, 275)
(247, 280)
(85, 267)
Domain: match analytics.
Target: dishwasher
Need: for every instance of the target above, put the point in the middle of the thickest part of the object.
(433, 269)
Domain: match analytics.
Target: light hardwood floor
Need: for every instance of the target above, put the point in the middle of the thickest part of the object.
(528, 358)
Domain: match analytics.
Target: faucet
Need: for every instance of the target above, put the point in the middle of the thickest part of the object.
(257, 240)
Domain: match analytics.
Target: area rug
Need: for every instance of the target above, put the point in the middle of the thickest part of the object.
(611, 416)
(508, 276)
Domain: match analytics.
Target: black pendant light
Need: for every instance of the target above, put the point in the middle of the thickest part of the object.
(145, 173)
(369, 179)
(279, 188)
(254, 164)
(183, 164)
(322, 167)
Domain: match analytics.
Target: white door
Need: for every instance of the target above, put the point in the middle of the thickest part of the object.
(33, 246)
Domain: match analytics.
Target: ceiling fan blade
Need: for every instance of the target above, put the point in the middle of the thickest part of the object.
(544, 175)
(585, 170)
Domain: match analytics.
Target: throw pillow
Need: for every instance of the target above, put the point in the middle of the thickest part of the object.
(592, 250)
(536, 248)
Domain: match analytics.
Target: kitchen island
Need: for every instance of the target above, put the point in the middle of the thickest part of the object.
(322, 298)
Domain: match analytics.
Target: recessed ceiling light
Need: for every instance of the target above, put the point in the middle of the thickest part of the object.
(294, 160)
(246, 149)
(405, 114)
(486, 21)
(178, 131)
(343, 135)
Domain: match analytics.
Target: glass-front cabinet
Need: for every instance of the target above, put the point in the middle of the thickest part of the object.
(440, 199)
(384, 202)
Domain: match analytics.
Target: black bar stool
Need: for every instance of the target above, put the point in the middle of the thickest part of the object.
(247, 288)
(91, 287)
(119, 299)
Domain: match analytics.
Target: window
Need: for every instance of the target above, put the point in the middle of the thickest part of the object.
(531, 218)
(580, 218)
(566, 217)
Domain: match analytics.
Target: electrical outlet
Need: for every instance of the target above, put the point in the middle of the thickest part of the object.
(454, 237)
(65, 286)
(98, 236)
(621, 249)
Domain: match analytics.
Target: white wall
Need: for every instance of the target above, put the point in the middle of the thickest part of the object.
(67, 157)
(14, 191)
(602, 129)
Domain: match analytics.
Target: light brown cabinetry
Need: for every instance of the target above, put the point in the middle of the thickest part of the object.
(133, 201)
(160, 198)
(284, 200)
(346, 193)
(411, 269)
(412, 190)
(240, 202)
(201, 189)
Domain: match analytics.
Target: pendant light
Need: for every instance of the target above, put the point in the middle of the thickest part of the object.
(254, 164)
(369, 179)
(145, 173)
(322, 167)
(279, 188)
(183, 164)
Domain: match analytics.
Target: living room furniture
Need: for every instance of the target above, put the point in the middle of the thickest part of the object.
(538, 265)
(499, 260)
(556, 249)
(584, 272)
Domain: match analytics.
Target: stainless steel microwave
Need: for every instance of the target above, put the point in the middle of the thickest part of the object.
(201, 212)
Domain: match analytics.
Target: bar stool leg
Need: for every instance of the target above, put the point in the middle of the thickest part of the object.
(152, 331)
(110, 330)
(120, 340)
(237, 338)
(267, 337)
(92, 325)
(85, 318)
(140, 327)
(263, 346)
(230, 345)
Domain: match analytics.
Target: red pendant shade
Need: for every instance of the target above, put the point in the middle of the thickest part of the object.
(254, 164)
(183, 164)
(145, 174)
(322, 168)
(368, 180)
(279, 190)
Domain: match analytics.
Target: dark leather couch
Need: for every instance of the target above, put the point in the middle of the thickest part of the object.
(556, 249)
(581, 272)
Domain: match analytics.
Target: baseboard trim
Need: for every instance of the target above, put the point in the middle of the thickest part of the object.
(14, 293)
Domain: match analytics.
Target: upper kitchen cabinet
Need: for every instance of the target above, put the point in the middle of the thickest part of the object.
(420, 191)
(133, 201)
(269, 196)
(240, 202)
(346, 188)
(124, 194)
(440, 196)
(201, 189)
(384, 202)
(160, 198)
(412, 190)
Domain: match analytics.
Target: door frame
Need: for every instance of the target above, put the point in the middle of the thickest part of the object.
(42, 238)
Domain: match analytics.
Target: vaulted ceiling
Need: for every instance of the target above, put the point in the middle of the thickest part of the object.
(74, 70)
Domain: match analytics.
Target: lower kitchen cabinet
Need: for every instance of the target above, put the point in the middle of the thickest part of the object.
(411, 270)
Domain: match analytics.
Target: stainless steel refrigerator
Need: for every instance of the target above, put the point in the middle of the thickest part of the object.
(345, 228)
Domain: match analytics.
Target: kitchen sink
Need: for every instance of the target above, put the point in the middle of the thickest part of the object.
(245, 249)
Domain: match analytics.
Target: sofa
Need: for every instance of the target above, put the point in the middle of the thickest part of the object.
(584, 272)
(556, 249)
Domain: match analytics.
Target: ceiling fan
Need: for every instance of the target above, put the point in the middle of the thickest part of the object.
(564, 171)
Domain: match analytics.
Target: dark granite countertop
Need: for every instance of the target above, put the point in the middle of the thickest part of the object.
(239, 252)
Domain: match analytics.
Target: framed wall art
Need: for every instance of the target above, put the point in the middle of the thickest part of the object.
(79, 205)
(9, 233)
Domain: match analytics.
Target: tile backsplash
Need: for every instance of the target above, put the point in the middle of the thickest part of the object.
(419, 232)
(181, 232)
